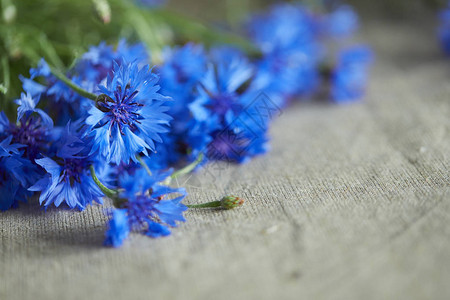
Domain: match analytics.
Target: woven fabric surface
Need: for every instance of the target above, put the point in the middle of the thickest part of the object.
(352, 202)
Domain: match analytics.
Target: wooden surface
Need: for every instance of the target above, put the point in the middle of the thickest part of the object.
(353, 202)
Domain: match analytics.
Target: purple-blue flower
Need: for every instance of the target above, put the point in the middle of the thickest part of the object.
(224, 107)
(32, 129)
(129, 116)
(350, 76)
(341, 22)
(284, 26)
(14, 174)
(289, 37)
(148, 207)
(68, 178)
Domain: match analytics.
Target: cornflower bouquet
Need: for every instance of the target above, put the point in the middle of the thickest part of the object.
(124, 115)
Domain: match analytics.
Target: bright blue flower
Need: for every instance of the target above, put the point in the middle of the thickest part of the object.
(14, 175)
(218, 94)
(32, 129)
(149, 209)
(223, 111)
(285, 26)
(286, 74)
(341, 22)
(182, 69)
(288, 36)
(118, 228)
(96, 63)
(148, 204)
(68, 179)
(350, 76)
(130, 117)
(237, 144)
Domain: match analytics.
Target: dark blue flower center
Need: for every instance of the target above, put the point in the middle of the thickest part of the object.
(73, 168)
(30, 133)
(228, 145)
(122, 110)
(140, 210)
(222, 103)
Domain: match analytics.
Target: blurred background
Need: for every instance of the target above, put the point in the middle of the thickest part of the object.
(61, 30)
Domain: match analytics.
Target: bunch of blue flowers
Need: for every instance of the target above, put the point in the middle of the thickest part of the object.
(114, 126)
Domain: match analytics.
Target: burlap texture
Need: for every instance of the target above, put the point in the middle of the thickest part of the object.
(353, 202)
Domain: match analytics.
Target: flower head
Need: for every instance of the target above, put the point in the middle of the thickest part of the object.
(285, 26)
(15, 174)
(129, 116)
(341, 22)
(351, 74)
(147, 209)
(33, 128)
(223, 110)
(68, 179)
(288, 36)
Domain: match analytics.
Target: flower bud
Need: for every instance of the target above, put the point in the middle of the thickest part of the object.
(229, 202)
(103, 10)
(9, 12)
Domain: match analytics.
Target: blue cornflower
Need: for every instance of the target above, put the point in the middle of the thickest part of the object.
(222, 113)
(14, 174)
(351, 74)
(284, 75)
(218, 95)
(32, 129)
(237, 143)
(444, 29)
(146, 207)
(285, 26)
(68, 179)
(96, 63)
(341, 22)
(129, 116)
(183, 67)
(288, 36)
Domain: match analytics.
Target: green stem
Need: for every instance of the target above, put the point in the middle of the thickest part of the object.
(205, 205)
(6, 75)
(72, 85)
(108, 192)
(187, 169)
(143, 164)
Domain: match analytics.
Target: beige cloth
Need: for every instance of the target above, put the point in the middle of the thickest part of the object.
(353, 202)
